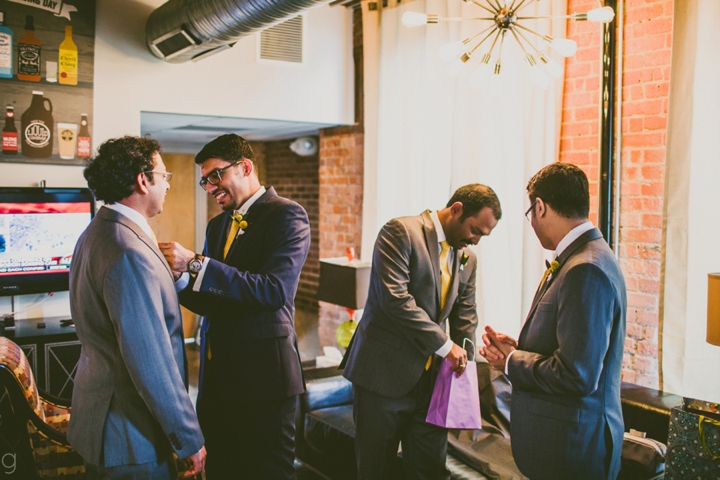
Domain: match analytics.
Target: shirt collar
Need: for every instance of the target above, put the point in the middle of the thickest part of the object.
(133, 215)
(438, 226)
(249, 202)
(571, 236)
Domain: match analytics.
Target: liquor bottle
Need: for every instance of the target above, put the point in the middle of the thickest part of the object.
(29, 53)
(68, 59)
(9, 133)
(83, 146)
(37, 128)
(6, 50)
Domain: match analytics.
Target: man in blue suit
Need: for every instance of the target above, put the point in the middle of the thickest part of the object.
(244, 283)
(566, 419)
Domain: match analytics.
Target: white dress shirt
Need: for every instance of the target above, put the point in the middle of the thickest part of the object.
(133, 215)
(569, 238)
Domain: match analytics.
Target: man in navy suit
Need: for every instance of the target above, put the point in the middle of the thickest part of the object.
(244, 283)
(565, 367)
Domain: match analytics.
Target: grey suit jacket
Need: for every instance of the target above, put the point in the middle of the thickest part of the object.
(130, 402)
(566, 417)
(402, 324)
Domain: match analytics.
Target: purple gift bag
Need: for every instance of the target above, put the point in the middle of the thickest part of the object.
(455, 400)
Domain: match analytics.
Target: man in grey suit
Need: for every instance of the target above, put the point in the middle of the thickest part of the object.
(566, 420)
(422, 278)
(131, 408)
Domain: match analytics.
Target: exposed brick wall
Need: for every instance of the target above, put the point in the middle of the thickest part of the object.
(341, 198)
(646, 79)
(296, 178)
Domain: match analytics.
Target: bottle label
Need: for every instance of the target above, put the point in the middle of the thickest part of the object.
(28, 59)
(68, 61)
(10, 142)
(5, 50)
(37, 134)
(83, 147)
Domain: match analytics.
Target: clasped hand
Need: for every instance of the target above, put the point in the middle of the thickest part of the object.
(176, 255)
(497, 347)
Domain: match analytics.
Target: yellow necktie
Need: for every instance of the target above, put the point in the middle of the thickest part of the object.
(234, 228)
(445, 280)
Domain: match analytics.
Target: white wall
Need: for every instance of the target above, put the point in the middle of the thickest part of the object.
(129, 80)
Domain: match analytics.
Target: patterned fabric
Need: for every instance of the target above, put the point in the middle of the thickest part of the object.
(693, 446)
(51, 459)
(12, 356)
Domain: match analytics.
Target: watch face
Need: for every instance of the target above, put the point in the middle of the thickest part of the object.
(194, 266)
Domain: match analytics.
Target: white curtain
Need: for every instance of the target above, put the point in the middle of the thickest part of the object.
(427, 134)
(690, 366)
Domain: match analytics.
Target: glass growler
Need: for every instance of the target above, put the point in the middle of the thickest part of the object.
(37, 128)
(9, 133)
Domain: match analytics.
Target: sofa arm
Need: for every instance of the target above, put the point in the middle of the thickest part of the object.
(647, 410)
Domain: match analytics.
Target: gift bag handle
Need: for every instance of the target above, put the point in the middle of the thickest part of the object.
(703, 418)
(473, 344)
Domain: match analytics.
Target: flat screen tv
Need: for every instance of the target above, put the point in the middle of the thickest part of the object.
(39, 228)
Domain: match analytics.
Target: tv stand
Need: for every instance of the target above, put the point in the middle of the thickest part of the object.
(52, 349)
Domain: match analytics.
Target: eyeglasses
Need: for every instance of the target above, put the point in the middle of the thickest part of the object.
(166, 175)
(215, 177)
(527, 214)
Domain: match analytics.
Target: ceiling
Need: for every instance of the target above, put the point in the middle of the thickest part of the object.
(179, 133)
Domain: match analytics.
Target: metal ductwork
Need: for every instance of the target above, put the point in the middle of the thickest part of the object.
(182, 30)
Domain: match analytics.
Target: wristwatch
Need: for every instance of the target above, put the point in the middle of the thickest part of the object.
(195, 265)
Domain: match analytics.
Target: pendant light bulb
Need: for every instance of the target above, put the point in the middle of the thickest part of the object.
(601, 15)
(455, 67)
(564, 47)
(552, 67)
(414, 19)
(451, 50)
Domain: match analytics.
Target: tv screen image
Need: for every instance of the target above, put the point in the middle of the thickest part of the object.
(38, 232)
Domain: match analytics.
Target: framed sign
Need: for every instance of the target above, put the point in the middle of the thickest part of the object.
(47, 49)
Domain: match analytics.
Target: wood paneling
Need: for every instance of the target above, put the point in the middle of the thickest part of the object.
(177, 221)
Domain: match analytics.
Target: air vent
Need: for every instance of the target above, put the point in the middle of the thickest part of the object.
(283, 41)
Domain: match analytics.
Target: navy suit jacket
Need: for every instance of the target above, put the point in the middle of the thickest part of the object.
(566, 417)
(248, 300)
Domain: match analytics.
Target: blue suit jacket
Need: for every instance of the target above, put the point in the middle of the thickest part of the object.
(248, 300)
(566, 419)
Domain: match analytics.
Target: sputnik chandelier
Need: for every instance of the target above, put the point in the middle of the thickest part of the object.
(506, 22)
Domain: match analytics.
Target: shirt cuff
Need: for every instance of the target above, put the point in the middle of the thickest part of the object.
(182, 282)
(507, 361)
(445, 349)
(200, 275)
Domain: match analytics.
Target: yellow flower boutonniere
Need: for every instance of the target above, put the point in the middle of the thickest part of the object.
(242, 223)
(463, 261)
(554, 266)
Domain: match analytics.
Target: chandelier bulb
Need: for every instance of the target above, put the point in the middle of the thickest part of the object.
(552, 67)
(564, 46)
(451, 50)
(601, 15)
(414, 19)
(455, 67)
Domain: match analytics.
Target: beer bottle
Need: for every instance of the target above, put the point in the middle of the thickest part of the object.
(29, 53)
(9, 133)
(68, 59)
(83, 146)
(6, 50)
(37, 126)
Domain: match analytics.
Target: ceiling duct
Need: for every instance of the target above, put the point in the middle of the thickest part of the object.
(182, 30)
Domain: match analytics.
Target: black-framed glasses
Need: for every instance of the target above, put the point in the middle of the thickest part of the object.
(166, 175)
(215, 177)
(527, 213)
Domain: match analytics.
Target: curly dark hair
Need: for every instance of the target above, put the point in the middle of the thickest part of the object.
(474, 197)
(230, 148)
(111, 173)
(564, 187)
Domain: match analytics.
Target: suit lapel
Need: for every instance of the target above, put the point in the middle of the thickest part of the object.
(113, 216)
(586, 237)
(251, 215)
(431, 242)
